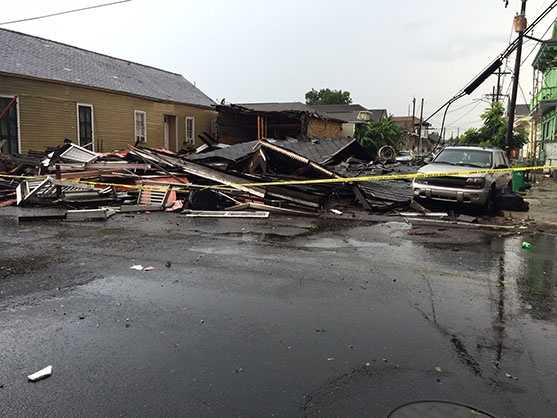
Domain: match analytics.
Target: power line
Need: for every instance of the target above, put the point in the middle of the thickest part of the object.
(495, 64)
(536, 45)
(462, 107)
(97, 6)
(523, 95)
(467, 113)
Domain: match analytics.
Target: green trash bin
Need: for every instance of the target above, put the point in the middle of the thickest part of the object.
(518, 181)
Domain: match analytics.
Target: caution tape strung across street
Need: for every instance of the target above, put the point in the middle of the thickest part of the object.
(387, 177)
(359, 179)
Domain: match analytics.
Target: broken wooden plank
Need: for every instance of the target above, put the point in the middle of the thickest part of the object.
(198, 170)
(362, 199)
(89, 215)
(137, 209)
(41, 374)
(269, 208)
(226, 214)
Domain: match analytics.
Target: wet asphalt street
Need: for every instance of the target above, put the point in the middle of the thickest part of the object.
(278, 318)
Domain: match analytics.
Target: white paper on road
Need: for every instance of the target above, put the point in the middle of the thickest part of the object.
(41, 374)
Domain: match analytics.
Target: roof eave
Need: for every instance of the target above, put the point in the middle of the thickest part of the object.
(119, 92)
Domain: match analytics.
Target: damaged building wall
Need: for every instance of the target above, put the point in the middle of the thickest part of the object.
(236, 124)
(48, 114)
(320, 128)
(236, 127)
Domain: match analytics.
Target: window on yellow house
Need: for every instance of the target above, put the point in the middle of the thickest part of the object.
(140, 118)
(190, 130)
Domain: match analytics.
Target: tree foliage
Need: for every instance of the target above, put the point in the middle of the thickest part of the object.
(375, 135)
(494, 130)
(327, 96)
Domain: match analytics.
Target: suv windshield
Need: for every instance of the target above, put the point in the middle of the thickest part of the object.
(465, 157)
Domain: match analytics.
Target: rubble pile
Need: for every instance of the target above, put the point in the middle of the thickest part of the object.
(260, 176)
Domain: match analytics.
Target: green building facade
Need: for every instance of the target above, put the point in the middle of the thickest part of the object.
(543, 138)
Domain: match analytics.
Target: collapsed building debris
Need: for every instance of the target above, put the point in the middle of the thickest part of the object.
(252, 179)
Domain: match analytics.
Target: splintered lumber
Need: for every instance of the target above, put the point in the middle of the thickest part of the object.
(225, 214)
(269, 208)
(198, 170)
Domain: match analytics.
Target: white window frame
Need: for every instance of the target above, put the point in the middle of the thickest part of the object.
(192, 139)
(89, 105)
(135, 113)
(4, 96)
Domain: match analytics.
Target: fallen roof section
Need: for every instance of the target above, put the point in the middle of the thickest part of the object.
(199, 170)
(322, 151)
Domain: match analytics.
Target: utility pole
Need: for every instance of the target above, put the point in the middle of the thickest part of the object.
(519, 26)
(500, 74)
(420, 128)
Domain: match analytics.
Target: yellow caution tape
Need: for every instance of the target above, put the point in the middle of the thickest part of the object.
(387, 177)
(359, 179)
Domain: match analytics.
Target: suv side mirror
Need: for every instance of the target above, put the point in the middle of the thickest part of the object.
(427, 160)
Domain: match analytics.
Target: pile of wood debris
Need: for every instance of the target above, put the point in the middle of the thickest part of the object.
(261, 176)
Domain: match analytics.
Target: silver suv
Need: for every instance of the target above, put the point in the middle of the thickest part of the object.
(475, 189)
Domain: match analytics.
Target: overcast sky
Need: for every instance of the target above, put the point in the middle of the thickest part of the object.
(383, 52)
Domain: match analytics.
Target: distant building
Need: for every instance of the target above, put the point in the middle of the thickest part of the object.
(352, 115)
(246, 122)
(543, 133)
(410, 127)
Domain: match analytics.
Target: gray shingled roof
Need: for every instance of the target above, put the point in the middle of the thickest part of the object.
(26, 55)
(287, 107)
(278, 107)
(317, 150)
(350, 112)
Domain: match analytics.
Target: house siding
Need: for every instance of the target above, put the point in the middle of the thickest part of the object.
(325, 129)
(48, 115)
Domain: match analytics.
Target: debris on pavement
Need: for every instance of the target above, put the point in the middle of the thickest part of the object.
(41, 374)
(256, 179)
(139, 267)
(225, 214)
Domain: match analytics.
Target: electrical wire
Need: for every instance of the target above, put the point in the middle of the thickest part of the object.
(463, 107)
(505, 54)
(536, 46)
(467, 113)
(522, 92)
(97, 6)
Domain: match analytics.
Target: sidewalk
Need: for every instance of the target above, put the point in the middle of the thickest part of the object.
(543, 202)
